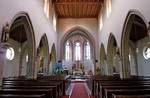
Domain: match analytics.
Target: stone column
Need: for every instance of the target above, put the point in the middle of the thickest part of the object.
(45, 73)
(31, 63)
(36, 68)
(2, 60)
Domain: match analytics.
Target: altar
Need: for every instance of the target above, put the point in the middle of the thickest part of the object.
(78, 72)
(85, 67)
(78, 68)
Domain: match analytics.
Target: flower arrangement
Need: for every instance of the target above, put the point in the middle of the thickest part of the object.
(58, 71)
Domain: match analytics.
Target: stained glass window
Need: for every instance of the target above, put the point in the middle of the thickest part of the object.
(67, 51)
(87, 51)
(77, 51)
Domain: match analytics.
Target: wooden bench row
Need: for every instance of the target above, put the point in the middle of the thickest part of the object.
(21, 96)
(130, 96)
(110, 87)
(24, 88)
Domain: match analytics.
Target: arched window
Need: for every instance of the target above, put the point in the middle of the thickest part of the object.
(68, 51)
(87, 51)
(77, 51)
(54, 21)
(46, 7)
(101, 23)
(108, 7)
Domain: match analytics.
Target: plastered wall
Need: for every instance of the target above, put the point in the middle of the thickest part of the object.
(35, 10)
(115, 22)
(41, 24)
(89, 24)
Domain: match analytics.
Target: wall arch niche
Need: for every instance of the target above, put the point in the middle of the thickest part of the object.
(82, 51)
(133, 36)
(113, 56)
(22, 40)
(43, 50)
(103, 61)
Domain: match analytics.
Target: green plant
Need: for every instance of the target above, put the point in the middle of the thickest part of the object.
(59, 72)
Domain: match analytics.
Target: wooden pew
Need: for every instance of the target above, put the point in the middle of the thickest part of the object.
(21, 96)
(56, 78)
(99, 82)
(47, 92)
(123, 85)
(59, 84)
(34, 85)
(102, 89)
(130, 96)
(109, 92)
(54, 89)
(96, 80)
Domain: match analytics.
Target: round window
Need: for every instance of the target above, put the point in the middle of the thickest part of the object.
(10, 53)
(146, 52)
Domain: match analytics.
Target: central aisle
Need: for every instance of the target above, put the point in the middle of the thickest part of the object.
(79, 90)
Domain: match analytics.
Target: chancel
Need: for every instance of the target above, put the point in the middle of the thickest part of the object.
(74, 49)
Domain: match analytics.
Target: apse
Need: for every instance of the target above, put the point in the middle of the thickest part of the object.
(78, 54)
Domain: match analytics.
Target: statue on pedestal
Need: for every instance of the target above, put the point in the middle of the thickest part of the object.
(5, 33)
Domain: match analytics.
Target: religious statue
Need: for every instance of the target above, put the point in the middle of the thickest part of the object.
(5, 33)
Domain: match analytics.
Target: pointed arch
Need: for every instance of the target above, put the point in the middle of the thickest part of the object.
(21, 21)
(69, 54)
(87, 50)
(73, 31)
(44, 54)
(111, 51)
(53, 53)
(133, 16)
(103, 60)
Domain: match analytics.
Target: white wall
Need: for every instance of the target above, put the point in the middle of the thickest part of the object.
(11, 67)
(35, 10)
(90, 24)
(115, 22)
(143, 64)
(2, 61)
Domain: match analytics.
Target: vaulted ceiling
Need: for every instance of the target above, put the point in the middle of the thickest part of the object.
(78, 8)
(18, 34)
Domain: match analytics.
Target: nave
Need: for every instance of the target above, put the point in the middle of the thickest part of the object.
(74, 48)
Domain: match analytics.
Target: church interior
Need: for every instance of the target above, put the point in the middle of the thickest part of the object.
(74, 48)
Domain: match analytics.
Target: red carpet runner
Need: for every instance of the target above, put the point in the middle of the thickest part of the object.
(79, 91)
